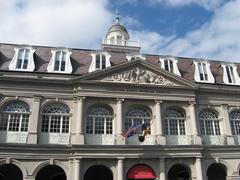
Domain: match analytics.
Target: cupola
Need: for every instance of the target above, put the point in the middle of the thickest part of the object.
(117, 38)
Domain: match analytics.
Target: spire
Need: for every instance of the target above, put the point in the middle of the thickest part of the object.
(117, 18)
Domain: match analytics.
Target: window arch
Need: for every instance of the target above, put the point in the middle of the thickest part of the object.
(209, 122)
(99, 120)
(55, 118)
(60, 61)
(235, 121)
(174, 122)
(15, 116)
(136, 116)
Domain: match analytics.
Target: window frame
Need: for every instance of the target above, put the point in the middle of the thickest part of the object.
(170, 60)
(203, 72)
(98, 64)
(235, 122)
(230, 74)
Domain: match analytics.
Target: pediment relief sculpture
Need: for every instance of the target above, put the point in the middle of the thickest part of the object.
(138, 76)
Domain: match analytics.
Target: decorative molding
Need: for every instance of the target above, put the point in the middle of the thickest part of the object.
(139, 76)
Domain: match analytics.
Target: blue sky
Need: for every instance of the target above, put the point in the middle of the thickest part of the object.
(192, 28)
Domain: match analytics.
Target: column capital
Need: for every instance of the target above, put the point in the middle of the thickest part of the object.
(120, 100)
(79, 98)
(121, 158)
(37, 98)
(192, 103)
(158, 101)
(224, 106)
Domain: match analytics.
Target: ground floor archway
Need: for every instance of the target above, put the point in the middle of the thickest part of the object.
(179, 172)
(51, 172)
(10, 171)
(98, 172)
(216, 172)
(141, 171)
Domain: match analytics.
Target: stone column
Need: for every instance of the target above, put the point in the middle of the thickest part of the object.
(78, 122)
(33, 121)
(159, 128)
(194, 124)
(120, 169)
(162, 175)
(74, 172)
(198, 167)
(226, 127)
(119, 122)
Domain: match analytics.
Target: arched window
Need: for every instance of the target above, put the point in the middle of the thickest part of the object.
(235, 122)
(60, 61)
(209, 122)
(15, 116)
(22, 59)
(55, 118)
(99, 120)
(174, 122)
(136, 116)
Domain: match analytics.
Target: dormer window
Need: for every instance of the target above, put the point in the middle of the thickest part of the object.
(170, 65)
(230, 75)
(60, 62)
(203, 72)
(100, 61)
(23, 59)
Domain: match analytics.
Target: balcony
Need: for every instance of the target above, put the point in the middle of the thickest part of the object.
(53, 138)
(13, 137)
(100, 139)
(214, 140)
(121, 43)
(179, 139)
(134, 140)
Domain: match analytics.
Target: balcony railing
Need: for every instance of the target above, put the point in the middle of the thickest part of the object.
(101, 139)
(179, 139)
(214, 140)
(121, 43)
(148, 140)
(53, 138)
(13, 137)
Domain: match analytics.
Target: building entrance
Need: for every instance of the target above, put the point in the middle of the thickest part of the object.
(178, 172)
(10, 171)
(51, 172)
(98, 172)
(141, 172)
(216, 172)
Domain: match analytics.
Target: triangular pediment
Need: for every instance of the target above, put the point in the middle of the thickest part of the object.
(138, 72)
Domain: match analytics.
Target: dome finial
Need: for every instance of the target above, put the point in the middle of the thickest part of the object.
(117, 18)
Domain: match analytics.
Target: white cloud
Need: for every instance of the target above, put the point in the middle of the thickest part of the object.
(80, 23)
(207, 4)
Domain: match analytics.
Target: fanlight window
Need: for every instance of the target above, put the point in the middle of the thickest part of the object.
(209, 122)
(136, 116)
(99, 120)
(60, 61)
(235, 122)
(22, 59)
(55, 118)
(15, 116)
(174, 122)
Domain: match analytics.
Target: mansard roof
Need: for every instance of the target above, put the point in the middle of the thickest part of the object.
(81, 60)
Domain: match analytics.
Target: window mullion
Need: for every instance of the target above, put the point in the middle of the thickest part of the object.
(214, 128)
(20, 123)
(61, 123)
(49, 124)
(9, 119)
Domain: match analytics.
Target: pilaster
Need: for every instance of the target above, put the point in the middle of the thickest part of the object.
(198, 167)
(74, 169)
(226, 125)
(120, 169)
(194, 124)
(162, 175)
(159, 128)
(119, 122)
(77, 136)
(34, 121)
